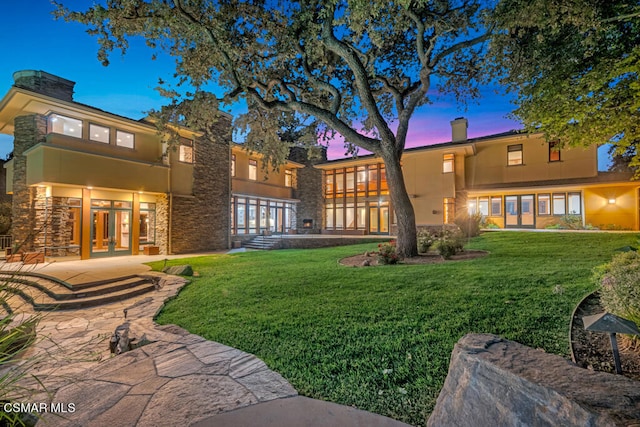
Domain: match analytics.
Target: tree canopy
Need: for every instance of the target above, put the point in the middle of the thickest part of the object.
(358, 68)
(575, 68)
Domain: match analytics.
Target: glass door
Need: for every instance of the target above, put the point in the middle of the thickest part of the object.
(519, 211)
(379, 219)
(111, 228)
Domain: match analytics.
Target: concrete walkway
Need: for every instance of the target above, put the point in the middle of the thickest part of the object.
(177, 379)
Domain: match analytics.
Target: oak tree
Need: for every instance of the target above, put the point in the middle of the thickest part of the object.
(352, 67)
(575, 68)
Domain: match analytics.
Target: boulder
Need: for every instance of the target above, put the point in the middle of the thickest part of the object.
(496, 382)
(179, 270)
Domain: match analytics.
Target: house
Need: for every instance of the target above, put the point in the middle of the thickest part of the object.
(88, 183)
(515, 180)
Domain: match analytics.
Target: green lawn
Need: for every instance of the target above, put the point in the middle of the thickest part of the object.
(380, 338)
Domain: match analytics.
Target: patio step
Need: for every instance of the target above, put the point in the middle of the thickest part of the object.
(262, 242)
(46, 293)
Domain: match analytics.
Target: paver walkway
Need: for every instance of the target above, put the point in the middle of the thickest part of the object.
(177, 380)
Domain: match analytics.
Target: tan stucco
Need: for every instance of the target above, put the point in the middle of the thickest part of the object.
(53, 164)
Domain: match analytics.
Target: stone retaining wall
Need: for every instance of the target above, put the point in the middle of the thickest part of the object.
(496, 382)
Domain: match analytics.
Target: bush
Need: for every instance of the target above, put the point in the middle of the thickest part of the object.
(425, 240)
(450, 243)
(620, 285)
(387, 253)
(469, 224)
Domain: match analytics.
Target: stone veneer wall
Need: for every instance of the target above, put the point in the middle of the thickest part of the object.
(162, 223)
(201, 221)
(44, 83)
(308, 190)
(29, 131)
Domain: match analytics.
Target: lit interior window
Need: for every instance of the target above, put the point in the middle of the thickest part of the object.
(124, 139)
(99, 133)
(65, 125)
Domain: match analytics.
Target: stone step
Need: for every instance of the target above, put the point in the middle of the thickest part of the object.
(47, 293)
(48, 304)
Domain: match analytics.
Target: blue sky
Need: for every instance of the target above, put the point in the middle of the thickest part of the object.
(34, 40)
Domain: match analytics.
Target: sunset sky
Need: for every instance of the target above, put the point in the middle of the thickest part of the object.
(34, 40)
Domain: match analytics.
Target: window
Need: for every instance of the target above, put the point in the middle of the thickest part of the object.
(124, 139)
(186, 150)
(329, 217)
(233, 165)
(288, 178)
(559, 204)
(361, 181)
(473, 206)
(253, 169)
(447, 163)
(514, 154)
(574, 202)
(99, 133)
(339, 183)
(384, 188)
(483, 206)
(241, 216)
(147, 223)
(373, 179)
(554, 151)
(449, 210)
(65, 125)
(328, 184)
(544, 204)
(351, 178)
(496, 206)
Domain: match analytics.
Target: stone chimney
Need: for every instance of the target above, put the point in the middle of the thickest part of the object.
(459, 129)
(45, 84)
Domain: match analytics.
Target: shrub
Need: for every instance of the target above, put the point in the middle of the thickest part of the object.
(469, 224)
(387, 253)
(425, 240)
(450, 243)
(620, 285)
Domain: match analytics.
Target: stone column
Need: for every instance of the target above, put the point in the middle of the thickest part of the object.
(201, 221)
(29, 131)
(308, 190)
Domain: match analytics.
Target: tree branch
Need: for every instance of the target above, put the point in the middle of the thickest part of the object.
(346, 52)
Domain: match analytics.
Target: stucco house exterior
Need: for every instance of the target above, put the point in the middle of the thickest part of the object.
(88, 183)
(515, 180)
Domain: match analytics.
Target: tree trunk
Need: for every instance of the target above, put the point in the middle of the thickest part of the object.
(407, 244)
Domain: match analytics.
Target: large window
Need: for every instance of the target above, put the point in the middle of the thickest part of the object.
(356, 182)
(125, 139)
(65, 125)
(99, 133)
(447, 163)
(514, 155)
(253, 169)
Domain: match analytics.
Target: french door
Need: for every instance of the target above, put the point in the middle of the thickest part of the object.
(519, 211)
(110, 228)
